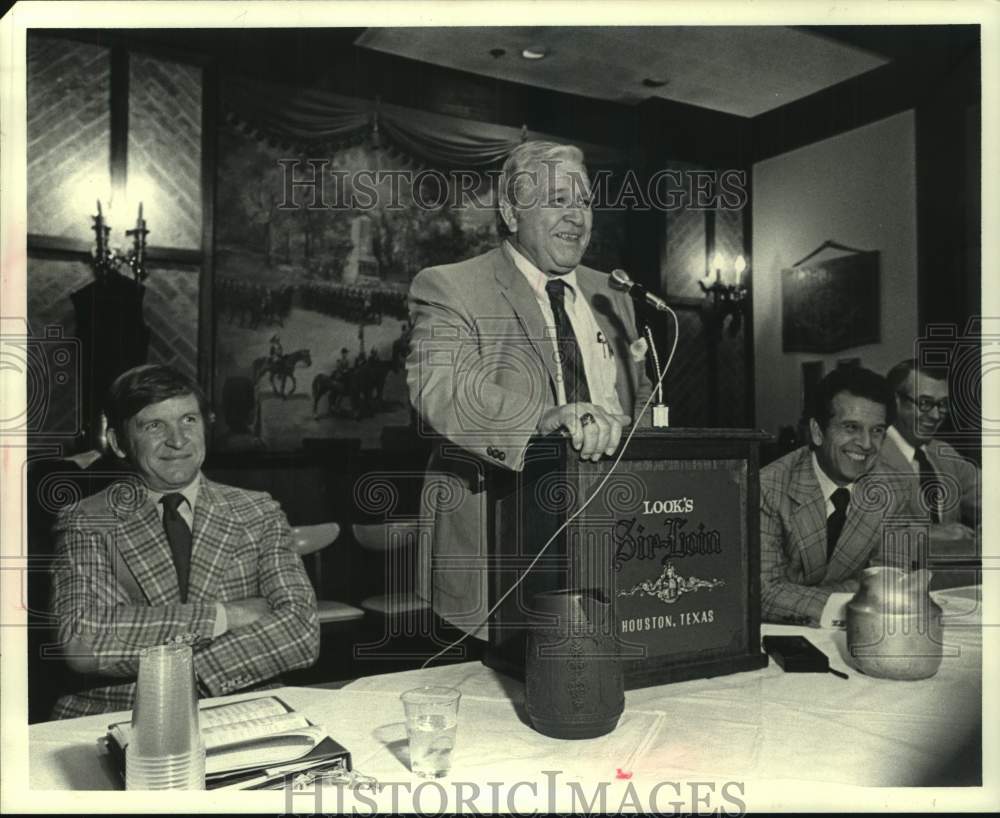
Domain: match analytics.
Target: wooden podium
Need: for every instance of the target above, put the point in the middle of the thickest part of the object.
(672, 536)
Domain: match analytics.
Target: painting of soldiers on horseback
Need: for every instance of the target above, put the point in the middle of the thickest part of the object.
(311, 322)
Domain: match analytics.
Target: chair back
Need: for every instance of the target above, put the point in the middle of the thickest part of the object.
(308, 539)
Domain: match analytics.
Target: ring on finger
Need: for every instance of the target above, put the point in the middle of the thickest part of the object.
(587, 418)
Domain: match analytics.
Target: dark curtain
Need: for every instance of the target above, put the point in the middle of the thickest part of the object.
(311, 119)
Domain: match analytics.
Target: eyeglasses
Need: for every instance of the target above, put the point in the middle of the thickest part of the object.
(926, 405)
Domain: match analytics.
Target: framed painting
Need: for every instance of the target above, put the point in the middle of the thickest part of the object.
(831, 305)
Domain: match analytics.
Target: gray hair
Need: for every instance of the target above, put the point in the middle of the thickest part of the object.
(521, 168)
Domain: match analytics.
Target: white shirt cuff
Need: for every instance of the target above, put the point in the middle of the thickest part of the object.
(221, 621)
(835, 611)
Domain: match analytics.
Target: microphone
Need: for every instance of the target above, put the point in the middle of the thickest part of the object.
(620, 281)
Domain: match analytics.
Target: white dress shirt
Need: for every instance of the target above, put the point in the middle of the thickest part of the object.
(827, 486)
(186, 510)
(598, 362)
(904, 447)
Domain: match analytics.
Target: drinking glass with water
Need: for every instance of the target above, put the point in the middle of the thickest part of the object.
(431, 724)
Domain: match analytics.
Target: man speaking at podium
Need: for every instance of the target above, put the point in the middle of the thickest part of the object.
(520, 341)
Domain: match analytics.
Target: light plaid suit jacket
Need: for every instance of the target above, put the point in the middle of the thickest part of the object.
(961, 481)
(115, 591)
(796, 579)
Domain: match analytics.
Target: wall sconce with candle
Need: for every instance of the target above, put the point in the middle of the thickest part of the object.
(725, 295)
(110, 321)
(106, 259)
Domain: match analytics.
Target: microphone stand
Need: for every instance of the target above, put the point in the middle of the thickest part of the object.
(620, 280)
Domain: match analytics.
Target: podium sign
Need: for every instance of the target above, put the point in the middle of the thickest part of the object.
(671, 535)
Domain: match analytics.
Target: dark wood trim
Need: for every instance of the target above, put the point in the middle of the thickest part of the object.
(119, 122)
(144, 40)
(750, 373)
(948, 59)
(689, 303)
(712, 381)
(678, 435)
(174, 255)
(688, 133)
(67, 249)
(210, 92)
(948, 269)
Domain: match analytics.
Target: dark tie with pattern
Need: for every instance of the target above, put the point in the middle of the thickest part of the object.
(574, 375)
(928, 483)
(835, 522)
(179, 537)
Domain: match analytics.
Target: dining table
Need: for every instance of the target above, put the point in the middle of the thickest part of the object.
(763, 739)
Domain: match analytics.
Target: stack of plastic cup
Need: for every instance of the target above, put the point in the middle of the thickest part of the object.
(165, 751)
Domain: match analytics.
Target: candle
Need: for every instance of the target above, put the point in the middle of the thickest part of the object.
(741, 265)
(717, 264)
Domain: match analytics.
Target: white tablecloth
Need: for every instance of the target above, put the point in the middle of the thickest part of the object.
(736, 734)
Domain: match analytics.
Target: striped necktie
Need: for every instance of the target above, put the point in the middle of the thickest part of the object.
(929, 484)
(570, 358)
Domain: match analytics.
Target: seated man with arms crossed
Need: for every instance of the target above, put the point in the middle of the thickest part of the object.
(822, 507)
(172, 557)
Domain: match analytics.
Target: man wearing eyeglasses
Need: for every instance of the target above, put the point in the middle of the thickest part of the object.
(946, 486)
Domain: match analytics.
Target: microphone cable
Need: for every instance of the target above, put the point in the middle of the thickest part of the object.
(657, 386)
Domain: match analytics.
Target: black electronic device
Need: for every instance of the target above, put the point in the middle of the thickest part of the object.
(796, 654)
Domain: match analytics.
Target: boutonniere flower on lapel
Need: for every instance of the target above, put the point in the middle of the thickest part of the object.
(638, 349)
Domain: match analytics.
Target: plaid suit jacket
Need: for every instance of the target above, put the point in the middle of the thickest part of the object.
(115, 591)
(961, 481)
(796, 578)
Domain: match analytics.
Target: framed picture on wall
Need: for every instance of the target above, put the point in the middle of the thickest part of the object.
(831, 305)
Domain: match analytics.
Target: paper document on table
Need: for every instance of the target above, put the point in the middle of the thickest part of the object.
(227, 735)
(260, 752)
(274, 732)
(240, 711)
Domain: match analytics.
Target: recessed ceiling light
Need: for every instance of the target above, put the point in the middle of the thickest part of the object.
(535, 52)
(654, 82)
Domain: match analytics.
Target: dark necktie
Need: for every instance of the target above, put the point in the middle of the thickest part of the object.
(929, 485)
(574, 375)
(179, 537)
(835, 522)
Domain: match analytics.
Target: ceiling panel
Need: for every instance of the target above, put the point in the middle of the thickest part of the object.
(744, 70)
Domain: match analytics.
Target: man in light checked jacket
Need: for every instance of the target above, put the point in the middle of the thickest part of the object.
(810, 560)
(169, 556)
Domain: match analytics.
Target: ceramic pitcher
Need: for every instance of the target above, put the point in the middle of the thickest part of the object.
(893, 625)
(574, 680)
